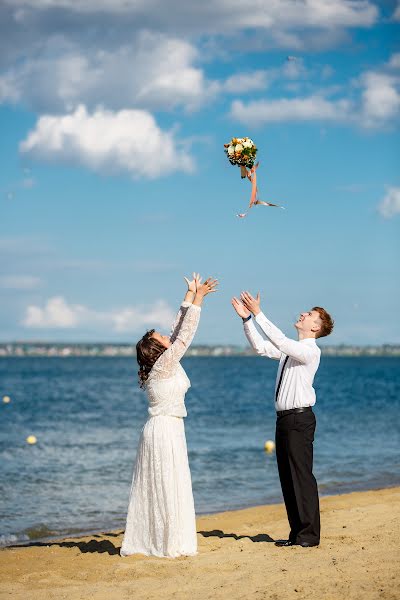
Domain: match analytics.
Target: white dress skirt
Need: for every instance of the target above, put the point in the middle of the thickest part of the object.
(161, 517)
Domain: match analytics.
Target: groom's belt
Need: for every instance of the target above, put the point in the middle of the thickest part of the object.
(283, 413)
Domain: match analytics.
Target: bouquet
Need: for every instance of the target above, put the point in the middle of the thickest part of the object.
(241, 152)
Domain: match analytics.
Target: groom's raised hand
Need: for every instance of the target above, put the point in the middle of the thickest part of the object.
(252, 304)
(240, 309)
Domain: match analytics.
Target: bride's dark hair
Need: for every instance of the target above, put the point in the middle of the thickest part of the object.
(148, 350)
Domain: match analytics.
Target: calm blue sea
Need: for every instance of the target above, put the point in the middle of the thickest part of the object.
(87, 414)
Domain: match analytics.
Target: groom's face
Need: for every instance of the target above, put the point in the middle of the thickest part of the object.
(308, 321)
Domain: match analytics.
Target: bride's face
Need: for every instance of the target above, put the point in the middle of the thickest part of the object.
(163, 339)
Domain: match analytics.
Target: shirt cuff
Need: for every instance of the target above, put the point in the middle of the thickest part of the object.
(186, 304)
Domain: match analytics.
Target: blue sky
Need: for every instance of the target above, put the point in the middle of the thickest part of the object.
(114, 183)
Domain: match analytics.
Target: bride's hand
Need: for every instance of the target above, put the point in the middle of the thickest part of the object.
(208, 287)
(240, 308)
(192, 285)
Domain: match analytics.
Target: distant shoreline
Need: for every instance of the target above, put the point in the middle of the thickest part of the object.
(111, 350)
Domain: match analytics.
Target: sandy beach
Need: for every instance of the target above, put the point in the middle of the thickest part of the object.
(358, 558)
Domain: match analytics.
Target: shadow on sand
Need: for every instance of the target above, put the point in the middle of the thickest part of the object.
(260, 537)
(93, 546)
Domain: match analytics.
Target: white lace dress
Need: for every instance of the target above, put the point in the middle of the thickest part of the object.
(161, 518)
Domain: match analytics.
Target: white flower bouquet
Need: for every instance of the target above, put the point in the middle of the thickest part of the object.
(241, 152)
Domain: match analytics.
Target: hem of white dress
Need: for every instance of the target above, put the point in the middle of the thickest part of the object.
(125, 554)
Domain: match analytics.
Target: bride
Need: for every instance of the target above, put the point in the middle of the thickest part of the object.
(161, 518)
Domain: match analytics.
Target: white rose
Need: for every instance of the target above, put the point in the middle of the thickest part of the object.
(238, 148)
(231, 150)
(247, 144)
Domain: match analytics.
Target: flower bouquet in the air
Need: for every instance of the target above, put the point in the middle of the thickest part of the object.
(241, 152)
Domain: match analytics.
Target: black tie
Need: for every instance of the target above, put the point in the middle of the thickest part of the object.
(280, 379)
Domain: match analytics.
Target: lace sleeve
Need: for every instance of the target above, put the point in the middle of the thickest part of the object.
(177, 324)
(166, 365)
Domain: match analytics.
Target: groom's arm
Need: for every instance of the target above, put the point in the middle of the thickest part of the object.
(262, 346)
(296, 350)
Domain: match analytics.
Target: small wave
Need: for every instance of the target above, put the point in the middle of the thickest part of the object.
(11, 538)
(39, 531)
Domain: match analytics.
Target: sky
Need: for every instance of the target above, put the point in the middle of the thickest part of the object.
(114, 184)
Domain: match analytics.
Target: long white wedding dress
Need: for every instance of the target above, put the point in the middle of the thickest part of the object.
(161, 518)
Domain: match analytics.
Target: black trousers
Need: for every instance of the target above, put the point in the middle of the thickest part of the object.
(294, 453)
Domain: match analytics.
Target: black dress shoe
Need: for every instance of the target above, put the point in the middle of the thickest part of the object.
(307, 544)
(284, 544)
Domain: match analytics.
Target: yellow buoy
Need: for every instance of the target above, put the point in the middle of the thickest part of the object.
(269, 446)
(31, 439)
(6, 399)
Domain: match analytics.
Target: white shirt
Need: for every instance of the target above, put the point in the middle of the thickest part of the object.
(297, 383)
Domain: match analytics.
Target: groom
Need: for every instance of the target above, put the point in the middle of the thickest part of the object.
(294, 397)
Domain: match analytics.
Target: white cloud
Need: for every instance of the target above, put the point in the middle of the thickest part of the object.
(214, 15)
(242, 83)
(380, 99)
(390, 204)
(138, 54)
(110, 142)
(58, 314)
(152, 71)
(377, 104)
(394, 61)
(19, 282)
(311, 108)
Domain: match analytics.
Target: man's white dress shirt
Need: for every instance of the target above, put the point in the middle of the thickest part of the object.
(297, 383)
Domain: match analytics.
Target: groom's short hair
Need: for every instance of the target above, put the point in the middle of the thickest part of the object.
(327, 322)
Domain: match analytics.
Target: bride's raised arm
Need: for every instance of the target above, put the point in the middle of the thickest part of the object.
(185, 330)
(186, 303)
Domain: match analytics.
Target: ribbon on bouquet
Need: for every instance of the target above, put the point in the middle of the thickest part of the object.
(251, 175)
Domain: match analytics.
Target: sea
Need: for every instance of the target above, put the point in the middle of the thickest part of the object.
(87, 414)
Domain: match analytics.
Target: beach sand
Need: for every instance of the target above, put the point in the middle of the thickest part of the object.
(358, 558)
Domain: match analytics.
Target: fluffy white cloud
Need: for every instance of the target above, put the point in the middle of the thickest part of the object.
(19, 282)
(390, 204)
(377, 104)
(380, 99)
(242, 83)
(153, 71)
(133, 53)
(111, 142)
(213, 15)
(311, 108)
(119, 53)
(58, 314)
